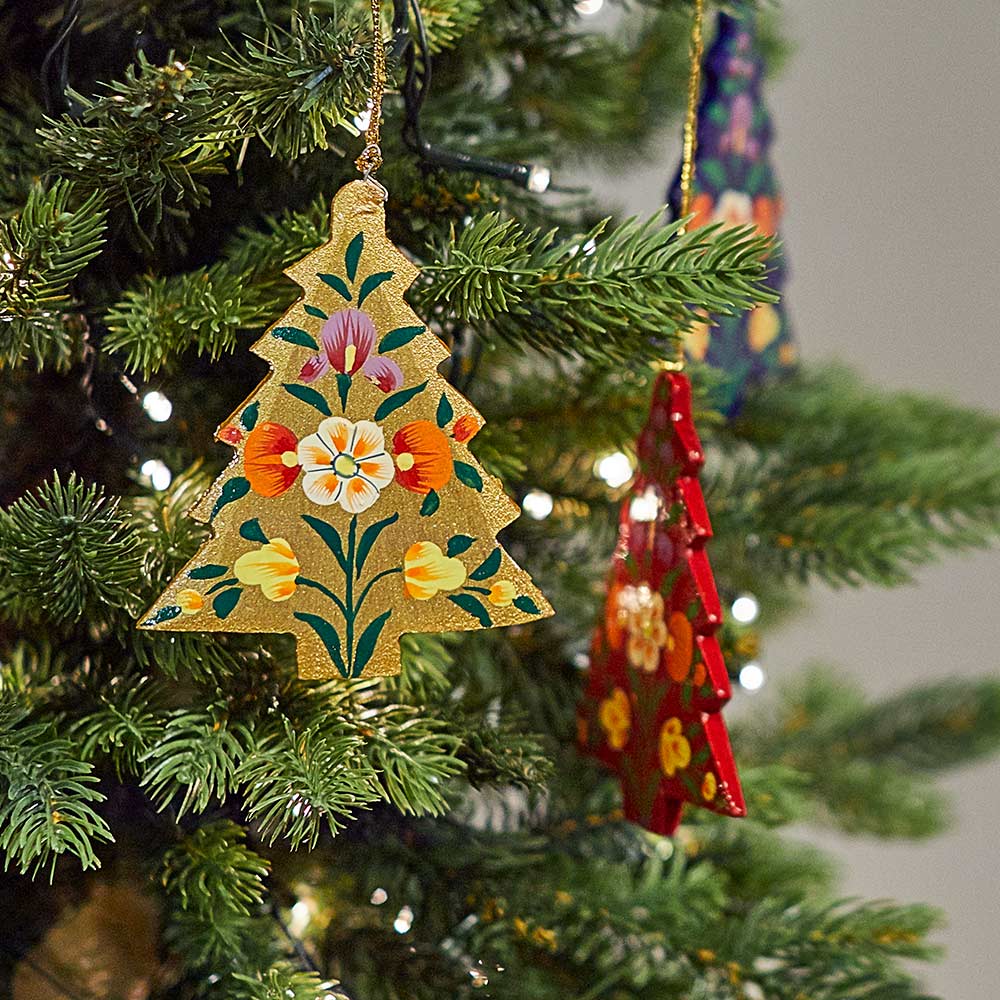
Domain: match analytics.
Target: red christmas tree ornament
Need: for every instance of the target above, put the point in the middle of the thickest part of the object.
(657, 680)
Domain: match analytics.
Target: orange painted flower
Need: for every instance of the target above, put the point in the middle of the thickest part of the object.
(709, 786)
(701, 209)
(647, 633)
(423, 457)
(273, 567)
(270, 459)
(675, 750)
(766, 214)
(502, 593)
(191, 601)
(466, 428)
(680, 646)
(615, 716)
(427, 570)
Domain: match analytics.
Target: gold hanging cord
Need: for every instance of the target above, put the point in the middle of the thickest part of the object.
(371, 156)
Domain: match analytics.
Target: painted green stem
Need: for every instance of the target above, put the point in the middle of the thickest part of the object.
(316, 585)
(371, 583)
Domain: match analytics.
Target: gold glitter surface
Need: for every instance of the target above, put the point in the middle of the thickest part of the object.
(348, 612)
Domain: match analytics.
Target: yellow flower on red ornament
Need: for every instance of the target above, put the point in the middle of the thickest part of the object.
(647, 632)
(190, 601)
(273, 567)
(427, 570)
(345, 463)
(615, 716)
(709, 786)
(502, 593)
(675, 750)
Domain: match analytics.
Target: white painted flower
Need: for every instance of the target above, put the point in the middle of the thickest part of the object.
(734, 208)
(345, 463)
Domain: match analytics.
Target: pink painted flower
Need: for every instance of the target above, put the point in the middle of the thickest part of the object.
(348, 343)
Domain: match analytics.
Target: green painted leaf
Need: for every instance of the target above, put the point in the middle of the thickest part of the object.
(224, 603)
(337, 283)
(713, 172)
(165, 614)
(488, 566)
(431, 503)
(444, 411)
(469, 475)
(248, 418)
(310, 396)
(369, 537)
(372, 282)
(328, 634)
(398, 399)
(473, 606)
(399, 337)
(314, 311)
(353, 254)
(526, 604)
(209, 572)
(293, 335)
(234, 489)
(458, 544)
(228, 582)
(366, 644)
(330, 536)
(343, 388)
(252, 531)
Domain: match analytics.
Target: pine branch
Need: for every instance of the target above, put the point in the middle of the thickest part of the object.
(285, 983)
(42, 250)
(64, 551)
(612, 298)
(48, 797)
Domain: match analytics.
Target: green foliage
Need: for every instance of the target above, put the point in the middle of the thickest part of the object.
(285, 983)
(48, 802)
(42, 249)
(64, 551)
(613, 297)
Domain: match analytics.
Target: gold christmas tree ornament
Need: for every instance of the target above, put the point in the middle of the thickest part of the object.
(353, 511)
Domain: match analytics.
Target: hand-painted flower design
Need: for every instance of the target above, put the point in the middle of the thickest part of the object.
(675, 750)
(347, 340)
(647, 632)
(734, 208)
(466, 428)
(427, 570)
(423, 457)
(763, 327)
(270, 459)
(273, 567)
(502, 594)
(709, 786)
(615, 716)
(345, 463)
(190, 601)
(230, 434)
(680, 646)
(701, 210)
(767, 214)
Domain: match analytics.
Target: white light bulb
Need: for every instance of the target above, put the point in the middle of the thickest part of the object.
(752, 677)
(537, 504)
(615, 470)
(403, 921)
(157, 406)
(645, 506)
(587, 7)
(300, 917)
(378, 897)
(745, 609)
(539, 178)
(157, 473)
(362, 120)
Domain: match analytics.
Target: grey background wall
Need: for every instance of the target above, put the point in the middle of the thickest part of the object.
(888, 150)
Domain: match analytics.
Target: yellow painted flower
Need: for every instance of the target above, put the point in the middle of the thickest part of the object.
(502, 593)
(427, 570)
(191, 601)
(273, 567)
(763, 327)
(675, 750)
(647, 630)
(615, 716)
(709, 786)
(697, 339)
